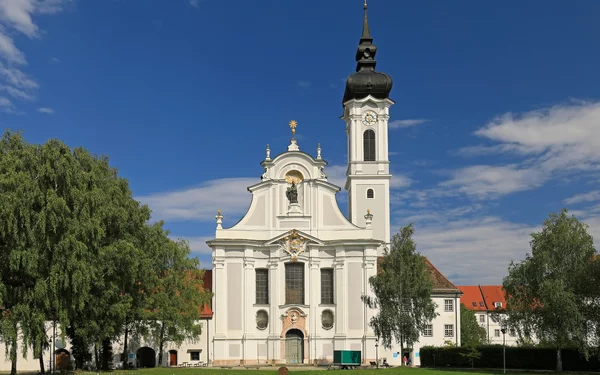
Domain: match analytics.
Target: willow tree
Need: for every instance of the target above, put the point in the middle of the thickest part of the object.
(70, 233)
(401, 293)
(546, 294)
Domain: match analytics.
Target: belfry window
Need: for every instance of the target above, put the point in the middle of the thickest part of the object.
(370, 193)
(369, 145)
(294, 283)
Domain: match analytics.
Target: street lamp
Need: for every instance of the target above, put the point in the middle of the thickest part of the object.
(504, 348)
(377, 352)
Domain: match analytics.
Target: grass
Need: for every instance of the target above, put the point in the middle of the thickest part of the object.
(307, 371)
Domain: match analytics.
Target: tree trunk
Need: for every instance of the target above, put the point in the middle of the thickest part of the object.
(106, 355)
(558, 360)
(13, 357)
(161, 344)
(125, 350)
(41, 349)
(96, 357)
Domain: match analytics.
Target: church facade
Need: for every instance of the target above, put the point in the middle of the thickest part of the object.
(289, 276)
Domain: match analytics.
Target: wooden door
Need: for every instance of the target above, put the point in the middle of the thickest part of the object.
(173, 359)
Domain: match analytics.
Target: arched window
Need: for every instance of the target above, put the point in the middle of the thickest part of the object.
(369, 145)
(370, 193)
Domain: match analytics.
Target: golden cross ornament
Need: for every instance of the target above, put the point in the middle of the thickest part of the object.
(293, 125)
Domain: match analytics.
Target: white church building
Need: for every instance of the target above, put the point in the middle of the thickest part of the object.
(288, 277)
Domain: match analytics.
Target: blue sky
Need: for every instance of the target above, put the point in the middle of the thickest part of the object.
(496, 122)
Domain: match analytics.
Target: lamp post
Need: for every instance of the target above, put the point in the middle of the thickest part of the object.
(504, 348)
(377, 353)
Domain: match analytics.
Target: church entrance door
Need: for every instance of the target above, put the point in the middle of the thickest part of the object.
(294, 346)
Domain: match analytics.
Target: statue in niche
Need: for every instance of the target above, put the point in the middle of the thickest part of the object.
(292, 193)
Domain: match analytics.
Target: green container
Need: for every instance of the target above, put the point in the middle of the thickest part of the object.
(346, 357)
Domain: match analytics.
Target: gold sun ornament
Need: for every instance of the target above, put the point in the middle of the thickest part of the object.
(293, 125)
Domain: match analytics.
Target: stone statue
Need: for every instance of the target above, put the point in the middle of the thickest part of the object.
(292, 193)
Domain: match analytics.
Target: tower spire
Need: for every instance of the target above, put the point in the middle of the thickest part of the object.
(366, 34)
(366, 81)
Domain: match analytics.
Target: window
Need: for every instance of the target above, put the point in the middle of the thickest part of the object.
(327, 319)
(481, 304)
(498, 305)
(294, 283)
(327, 286)
(370, 193)
(262, 286)
(428, 330)
(262, 319)
(195, 356)
(369, 145)
(481, 318)
(448, 305)
(448, 330)
(497, 333)
(474, 304)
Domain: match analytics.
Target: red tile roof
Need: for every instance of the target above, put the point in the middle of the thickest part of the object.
(493, 294)
(441, 284)
(206, 310)
(484, 296)
(472, 298)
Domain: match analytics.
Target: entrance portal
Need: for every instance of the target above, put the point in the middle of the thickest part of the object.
(294, 346)
(146, 357)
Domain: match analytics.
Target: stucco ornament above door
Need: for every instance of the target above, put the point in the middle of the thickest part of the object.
(293, 244)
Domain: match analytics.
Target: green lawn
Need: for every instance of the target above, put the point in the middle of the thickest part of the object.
(299, 370)
(305, 371)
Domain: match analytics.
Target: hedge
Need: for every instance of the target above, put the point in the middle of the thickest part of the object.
(516, 358)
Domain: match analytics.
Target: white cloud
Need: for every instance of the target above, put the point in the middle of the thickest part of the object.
(6, 105)
(563, 139)
(201, 203)
(476, 250)
(304, 84)
(399, 181)
(17, 13)
(195, 3)
(336, 174)
(486, 181)
(586, 197)
(46, 110)
(197, 244)
(396, 124)
(55, 59)
(17, 93)
(9, 51)
(17, 16)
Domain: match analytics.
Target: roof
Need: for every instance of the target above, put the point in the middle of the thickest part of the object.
(485, 296)
(441, 284)
(206, 310)
(493, 294)
(472, 298)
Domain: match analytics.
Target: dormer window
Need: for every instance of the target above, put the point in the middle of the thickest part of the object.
(498, 305)
(370, 193)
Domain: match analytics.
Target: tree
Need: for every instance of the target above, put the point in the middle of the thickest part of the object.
(471, 353)
(401, 293)
(179, 295)
(545, 294)
(471, 333)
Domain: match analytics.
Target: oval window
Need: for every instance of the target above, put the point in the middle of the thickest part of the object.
(262, 319)
(327, 319)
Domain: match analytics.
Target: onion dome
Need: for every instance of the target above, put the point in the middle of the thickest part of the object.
(366, 81)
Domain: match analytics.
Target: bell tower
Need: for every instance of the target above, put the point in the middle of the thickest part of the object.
(366, 113)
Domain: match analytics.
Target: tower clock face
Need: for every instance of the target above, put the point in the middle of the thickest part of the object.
(369, 118)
